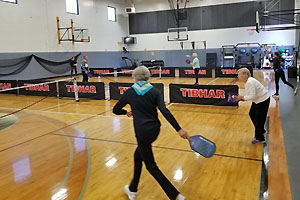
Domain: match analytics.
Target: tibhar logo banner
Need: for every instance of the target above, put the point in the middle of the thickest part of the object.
(123, 89)
(157, 71)
(203, 93)
(4, 86)
(191, 71)
(229, 71)
(101, 71)
(127, 71)
(38, 88)
(90, 89)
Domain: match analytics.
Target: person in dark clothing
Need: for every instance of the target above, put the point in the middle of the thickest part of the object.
(144, 100)
(73, 64)
(85, 69)
(279, 74)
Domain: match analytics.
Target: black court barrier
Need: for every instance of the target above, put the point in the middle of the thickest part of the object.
(116, 89)
(8, 84)
(204, 72)
(102, 71)
(216, 95)
(35, 88)
(164, 71)
(229, 72)
(89, 90)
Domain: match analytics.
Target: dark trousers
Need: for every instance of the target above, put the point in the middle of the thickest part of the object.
(279, 74)
(85, 77)
(75, 70)
(143, 153)
(196, 70)
(258, 114)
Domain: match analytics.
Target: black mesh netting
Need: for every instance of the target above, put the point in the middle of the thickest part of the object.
(55, 67)
(17, 65)
(14, 66)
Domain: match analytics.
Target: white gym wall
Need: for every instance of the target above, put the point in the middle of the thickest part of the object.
(30, 25)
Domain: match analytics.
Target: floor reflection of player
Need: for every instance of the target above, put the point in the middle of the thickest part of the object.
(267, 76)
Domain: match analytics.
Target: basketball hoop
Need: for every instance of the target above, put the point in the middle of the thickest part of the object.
(251, 31)
(177, 34)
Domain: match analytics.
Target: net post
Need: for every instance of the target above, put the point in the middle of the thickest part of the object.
(159, 72)
(57, 89)
(18, 91)
(75, 90)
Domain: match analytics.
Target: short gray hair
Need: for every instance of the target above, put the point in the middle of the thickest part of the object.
(195, 54)
(141, 73)
(245, 72)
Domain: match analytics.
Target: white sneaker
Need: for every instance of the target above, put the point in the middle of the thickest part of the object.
(180, 197)
(296, 91)
(131, 195)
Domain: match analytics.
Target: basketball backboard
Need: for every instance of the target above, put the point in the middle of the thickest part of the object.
(178, 34)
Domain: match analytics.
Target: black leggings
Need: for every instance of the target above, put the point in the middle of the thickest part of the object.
(85, 77)
(258, 114)
(196, 70)
(73, 68)
(143, 153)
(280, 74)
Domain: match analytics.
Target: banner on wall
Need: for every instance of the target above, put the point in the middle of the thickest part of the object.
(89, 90)
(7, 84)
(229, 72)
(34, 88)
(116, 90)
(204, 72)
(164, 71)
(217, 95)
(102, 71)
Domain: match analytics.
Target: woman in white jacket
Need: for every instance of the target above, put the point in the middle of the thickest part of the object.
(260, 98)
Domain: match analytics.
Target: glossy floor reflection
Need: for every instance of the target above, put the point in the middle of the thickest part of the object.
(61, 149)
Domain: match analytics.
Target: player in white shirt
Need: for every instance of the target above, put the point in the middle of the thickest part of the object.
(196, 66)
(260, 98)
